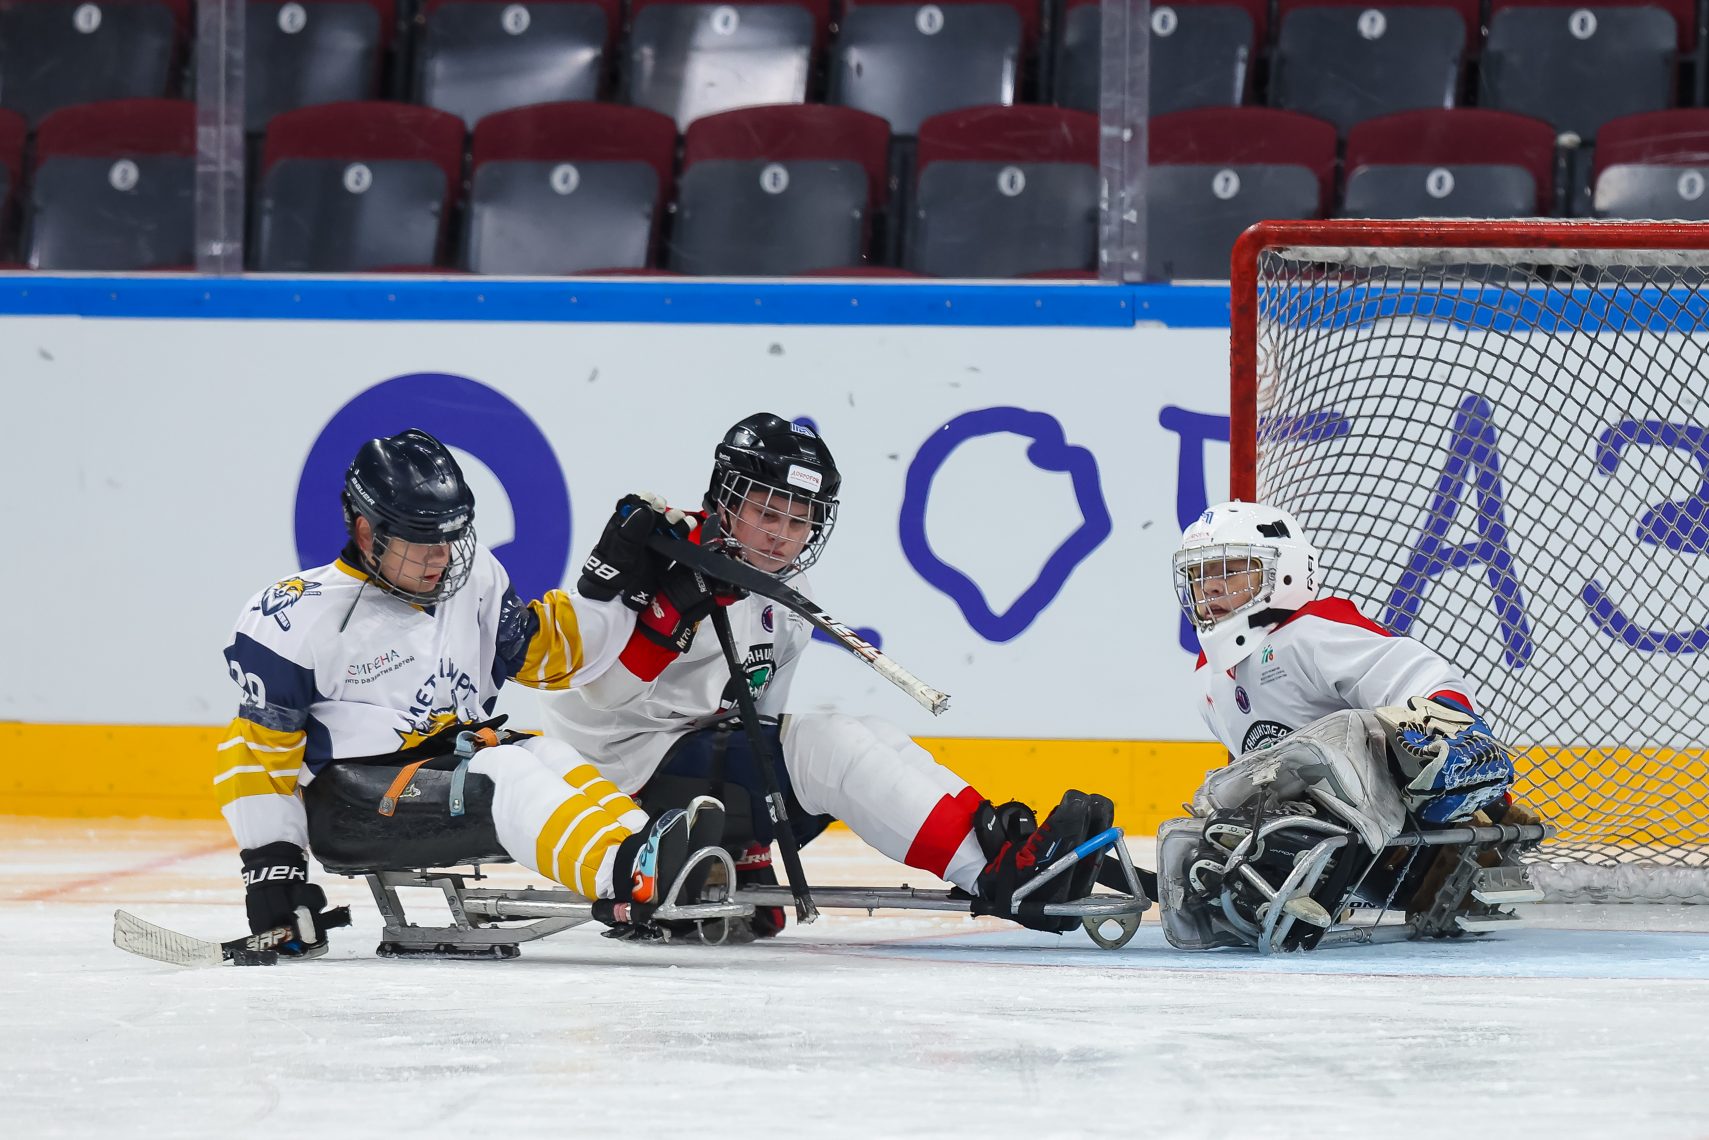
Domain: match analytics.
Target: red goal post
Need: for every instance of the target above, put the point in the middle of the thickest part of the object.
(1497, 433)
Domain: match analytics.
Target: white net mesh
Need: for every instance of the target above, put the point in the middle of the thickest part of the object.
(1506, 455)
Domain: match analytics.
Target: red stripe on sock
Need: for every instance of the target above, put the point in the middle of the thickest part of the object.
(943, 831)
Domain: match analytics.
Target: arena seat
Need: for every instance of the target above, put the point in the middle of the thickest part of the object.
(14, 128)
(776, 191)
(114, 187)
(1005, 191)
(300, 53)
(1201, 53)
(475, 57)
(1345, 61)
(1217, 170)
(354, 186)
(1653, 166)
(1575, 67)
(688, 59)
(567, 188)
(1464, 163)
(906, 61)
(56, 53)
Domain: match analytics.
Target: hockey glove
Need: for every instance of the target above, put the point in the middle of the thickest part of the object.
(665, 629)
(276, 878)
(1451, 763)
(621, 564)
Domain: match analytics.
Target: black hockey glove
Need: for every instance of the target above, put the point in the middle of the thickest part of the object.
(665, 629)
(276, 878)
(621, 565)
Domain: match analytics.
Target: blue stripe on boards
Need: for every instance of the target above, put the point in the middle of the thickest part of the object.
(622, 300)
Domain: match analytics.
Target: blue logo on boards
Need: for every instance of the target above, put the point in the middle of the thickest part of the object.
(1050, 451)
(466, 415)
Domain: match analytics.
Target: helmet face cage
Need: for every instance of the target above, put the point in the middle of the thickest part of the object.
(412, 559)
(775, 523)
(1235, 578)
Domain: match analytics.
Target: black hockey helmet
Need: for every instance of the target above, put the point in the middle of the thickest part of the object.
(409, 488)
(768, 460)
(1252, 863)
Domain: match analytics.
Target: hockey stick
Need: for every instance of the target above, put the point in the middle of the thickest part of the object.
(150, 941)
(805, 911)
(726, 569)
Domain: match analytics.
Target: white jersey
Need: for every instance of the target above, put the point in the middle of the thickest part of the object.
(333, 668)
(626, 725)
(1327, 657)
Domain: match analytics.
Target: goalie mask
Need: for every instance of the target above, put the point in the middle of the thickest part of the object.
(410, 489)
(1241, 570)
(774, 494)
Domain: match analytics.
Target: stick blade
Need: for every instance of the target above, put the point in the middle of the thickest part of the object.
(132, 934)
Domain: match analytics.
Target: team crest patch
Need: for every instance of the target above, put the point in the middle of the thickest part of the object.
(1263, 734)
(1241, 700)
(768, 620)
(281, 596)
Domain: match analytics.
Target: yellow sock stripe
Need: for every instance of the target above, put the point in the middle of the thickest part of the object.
(253, 780)
(576, 872)
(551, 835)
(586, 779)
(555, 654)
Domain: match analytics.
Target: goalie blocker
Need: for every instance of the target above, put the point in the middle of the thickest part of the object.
(1287, 844)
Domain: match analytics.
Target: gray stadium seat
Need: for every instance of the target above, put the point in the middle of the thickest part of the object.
(778, 191)
(56, 53)
(1576, 67)
(347, 187)
(114, 187)
(1345, 61)
(1201, 54)
(1005, 191)
(1463, 163)
(1653, 166)
(474, 57)
(1216, 171)
(300, 53)
(906, 61)
(567, 188)
(689, 59)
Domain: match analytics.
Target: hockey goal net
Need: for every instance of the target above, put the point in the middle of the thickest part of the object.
(1497, 434)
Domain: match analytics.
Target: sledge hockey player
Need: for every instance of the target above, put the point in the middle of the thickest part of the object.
(391, 653)
(1335, 723)
(661, 723)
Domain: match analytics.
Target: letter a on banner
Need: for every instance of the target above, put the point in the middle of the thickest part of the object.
(1474, 464)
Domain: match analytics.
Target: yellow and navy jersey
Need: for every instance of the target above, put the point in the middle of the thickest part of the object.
(332, 668)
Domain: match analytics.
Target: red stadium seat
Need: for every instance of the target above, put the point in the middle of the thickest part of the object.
(1215, 171)
(1653, 166)
(352, 186)
(567, 188)
(114, 187)
(906, 61)
(776, 191)
(301, 53)
(1005, 191)
(1202, 52)
(1464, 163)
(56, 53)
(475, 57)
(688, 59)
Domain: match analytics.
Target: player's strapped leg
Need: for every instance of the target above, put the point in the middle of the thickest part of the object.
(556, 820)
(888, 789)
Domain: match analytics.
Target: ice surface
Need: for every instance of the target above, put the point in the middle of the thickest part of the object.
(1591, 1021)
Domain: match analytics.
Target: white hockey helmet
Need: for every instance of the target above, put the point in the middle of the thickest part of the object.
(1241, 570)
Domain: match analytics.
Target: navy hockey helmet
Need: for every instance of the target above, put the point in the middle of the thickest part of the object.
(410, 489)
(781, 467)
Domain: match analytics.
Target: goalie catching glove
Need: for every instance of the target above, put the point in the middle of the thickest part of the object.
(1450, 764)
